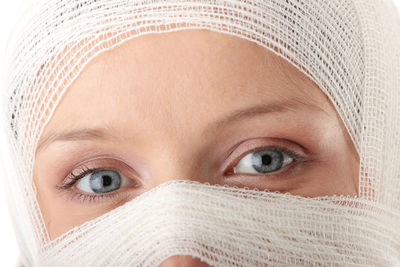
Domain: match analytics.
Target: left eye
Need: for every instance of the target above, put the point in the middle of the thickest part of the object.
(101, 181)
(263, 161)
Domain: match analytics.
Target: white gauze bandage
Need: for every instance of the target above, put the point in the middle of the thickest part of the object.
(349, 48)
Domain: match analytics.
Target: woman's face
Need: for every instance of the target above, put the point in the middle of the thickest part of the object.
(191, 104)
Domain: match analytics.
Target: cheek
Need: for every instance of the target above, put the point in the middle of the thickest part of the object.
(55, 213)
(60, 214)
(334, 169)
(340, 161)
(347, 167)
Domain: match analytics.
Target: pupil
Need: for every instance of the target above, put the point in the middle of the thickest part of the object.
(266, 159)
(107, 180)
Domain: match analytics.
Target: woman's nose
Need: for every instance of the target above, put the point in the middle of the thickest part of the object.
(172, 166)
(183, 261)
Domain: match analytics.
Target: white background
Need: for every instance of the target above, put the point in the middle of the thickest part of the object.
(8, 248)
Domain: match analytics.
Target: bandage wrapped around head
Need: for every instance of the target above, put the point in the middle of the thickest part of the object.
(349, 48)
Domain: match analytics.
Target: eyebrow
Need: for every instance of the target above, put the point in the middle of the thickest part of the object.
(105, 133)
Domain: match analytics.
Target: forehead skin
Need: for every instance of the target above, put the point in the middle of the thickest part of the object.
(180, 72)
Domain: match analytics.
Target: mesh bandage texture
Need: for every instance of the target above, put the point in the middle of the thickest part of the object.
(349, 48)
(228, 226)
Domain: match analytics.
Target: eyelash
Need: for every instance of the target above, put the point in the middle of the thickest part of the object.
(85, 170)
(279, 173)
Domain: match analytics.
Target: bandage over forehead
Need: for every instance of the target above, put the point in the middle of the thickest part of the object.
(349, 48)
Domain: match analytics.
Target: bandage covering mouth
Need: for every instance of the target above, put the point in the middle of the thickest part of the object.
(349, 48)
(227, 226)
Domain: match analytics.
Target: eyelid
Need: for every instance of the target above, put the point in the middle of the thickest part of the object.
(106, 157)
(293, 149)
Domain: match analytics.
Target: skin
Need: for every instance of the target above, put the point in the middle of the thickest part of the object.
(155, 101)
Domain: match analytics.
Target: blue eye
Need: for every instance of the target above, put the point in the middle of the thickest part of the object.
(263, 161)
(101, 181)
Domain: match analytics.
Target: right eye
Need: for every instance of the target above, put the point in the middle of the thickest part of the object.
(101, 181)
